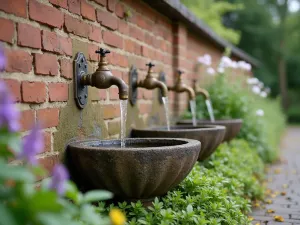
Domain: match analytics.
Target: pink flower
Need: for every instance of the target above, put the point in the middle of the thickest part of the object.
(205, 59)
(210, 71)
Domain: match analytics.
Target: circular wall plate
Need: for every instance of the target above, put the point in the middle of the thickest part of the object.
(80, 91)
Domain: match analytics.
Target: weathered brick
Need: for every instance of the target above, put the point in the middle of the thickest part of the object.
(76, 26)
(144, 23)
(144, 108)
(18, 61)
(74, 6)
(118, 59)
(91, 50)
(47, 141)
(56, 43)
(107, 19)
(136, 33)
(98, 94)
(129, 45)
(95, 34)
(45, 14)
(123, 27)
(111, 5)
(113, 93)
(112, 39)
(14, 87)
(58, 92)
(49, 162)
(29, 36)
(66, 68)
(60, 3)
(88, 11)
(111, 111)
(34, 92)
(113, 127)
(120, 9)
(27, 120)
(101, 2)
(6, 30)
(16, 7)
(46, 64)
(48, 117)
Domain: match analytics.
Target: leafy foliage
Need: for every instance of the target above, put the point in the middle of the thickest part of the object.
(217, 191)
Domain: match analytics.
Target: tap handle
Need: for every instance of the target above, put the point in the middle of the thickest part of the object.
(150, 65)
(180, 72)
(102, 52)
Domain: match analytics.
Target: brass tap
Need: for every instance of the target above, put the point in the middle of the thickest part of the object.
(181, 87)
(201, 91)
(151, 82)
(102, 78)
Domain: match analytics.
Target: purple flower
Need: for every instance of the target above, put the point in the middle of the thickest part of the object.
(2, 59)
(9, 114)
(32, 145)
(59, 177)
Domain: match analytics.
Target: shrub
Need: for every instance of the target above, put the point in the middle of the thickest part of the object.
(217, 191)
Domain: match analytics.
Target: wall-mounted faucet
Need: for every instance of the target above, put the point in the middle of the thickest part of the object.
(180, 87)
(102, 78)
(201, 91)
(150, 82)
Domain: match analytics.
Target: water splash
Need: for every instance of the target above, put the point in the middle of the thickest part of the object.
(210, 110)
(123, 107)
(166, 107)
(193, 111)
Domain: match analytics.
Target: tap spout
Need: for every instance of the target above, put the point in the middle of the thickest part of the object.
(203, 92)
(151, 82)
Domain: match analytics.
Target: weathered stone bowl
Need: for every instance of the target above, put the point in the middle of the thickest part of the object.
(210, 136)
(233, 126)
(145, 168)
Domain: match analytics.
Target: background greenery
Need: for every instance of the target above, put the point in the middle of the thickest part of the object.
(269, 30)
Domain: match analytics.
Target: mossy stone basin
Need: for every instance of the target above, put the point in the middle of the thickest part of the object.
(210, 136)
(145, 168)
(233, 126)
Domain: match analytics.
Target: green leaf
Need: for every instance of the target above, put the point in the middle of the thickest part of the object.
(96, 195)
(55, 219)
(72, 193)
(45, 201)
(17, 173)
(7, 217)
(89, 215)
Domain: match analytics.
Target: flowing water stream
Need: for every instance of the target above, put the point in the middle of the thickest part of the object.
(123, 107)
(210, 110)
(166, 107)
(193, 111)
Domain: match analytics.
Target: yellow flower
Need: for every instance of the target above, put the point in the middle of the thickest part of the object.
(278, 218)
(250, 218)
(117, 217)
(269, 201)
(270, 211)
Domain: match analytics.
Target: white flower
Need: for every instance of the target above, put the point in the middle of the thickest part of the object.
(210, 71)
(244, 65)
(263, 94)
(255, 89)
(260, 112)
(221, 69)
(248, 67)
(234, 64)
(252, 80)
(205, 59)
(260, 85)
(225, 62)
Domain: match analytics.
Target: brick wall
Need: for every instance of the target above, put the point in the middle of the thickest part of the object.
(41, 38)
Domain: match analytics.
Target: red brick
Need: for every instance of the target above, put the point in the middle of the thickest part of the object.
(58, 92)
(136, 33)
(46, 64)
(148, 94)
(47, 141)
(129, 45)
(74, 6)
(14, 88)
(76, 26)
(145, 51)
(45, 14)
(29, 36)
(34, 92)
(66, 68)
(113, 93)
(118, 59)
(101, 2)
(92, 55)
(55, 43)
(111, 5)
(111, 111)
(60, 3)
(112, 39)
(48, 163)
(107, 19)
(48, 117)
(16, 7)
(18, 61)
(27, 119)
(144, 23)
(95, 34)
(6, 30)
(88, 11)
(100, 94)
(123, 27)
(120, 10)
(144, 108)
